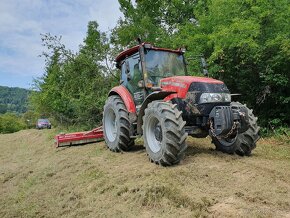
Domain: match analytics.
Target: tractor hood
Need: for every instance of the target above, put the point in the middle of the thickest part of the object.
(181, 84)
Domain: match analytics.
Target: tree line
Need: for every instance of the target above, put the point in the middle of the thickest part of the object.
(13, 100)
(246, 43)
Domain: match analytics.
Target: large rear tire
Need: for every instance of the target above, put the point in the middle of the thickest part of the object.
(164, 133)
(116, 125)
(243, 143)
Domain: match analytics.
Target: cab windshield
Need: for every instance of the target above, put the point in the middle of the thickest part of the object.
(161, 64)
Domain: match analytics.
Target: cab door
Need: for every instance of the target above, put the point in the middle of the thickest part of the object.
(131, 75)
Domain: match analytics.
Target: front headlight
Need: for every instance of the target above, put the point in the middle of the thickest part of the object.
(214, 97)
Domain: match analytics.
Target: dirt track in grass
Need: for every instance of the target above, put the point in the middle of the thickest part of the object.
(38, 180)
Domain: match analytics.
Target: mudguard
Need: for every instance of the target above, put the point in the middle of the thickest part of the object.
(158, 95)
(126, 97)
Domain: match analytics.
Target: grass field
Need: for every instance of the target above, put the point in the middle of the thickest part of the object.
(38, 180)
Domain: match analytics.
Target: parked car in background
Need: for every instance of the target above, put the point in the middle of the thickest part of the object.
(43, 124)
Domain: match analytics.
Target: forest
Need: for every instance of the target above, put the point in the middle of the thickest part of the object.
(13, 109)
(246, 44)
(13, 100)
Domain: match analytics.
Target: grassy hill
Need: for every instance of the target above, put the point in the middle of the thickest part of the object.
(38, 180)
(13, 99)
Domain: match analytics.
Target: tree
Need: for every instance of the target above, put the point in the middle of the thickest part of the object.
(74, 87)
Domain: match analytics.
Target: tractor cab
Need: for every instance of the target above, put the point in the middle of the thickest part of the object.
(143, 66)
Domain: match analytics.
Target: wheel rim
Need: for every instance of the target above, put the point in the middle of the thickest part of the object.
(154, 134)
(111, 125)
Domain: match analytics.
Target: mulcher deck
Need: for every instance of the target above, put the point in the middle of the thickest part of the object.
(77, 138)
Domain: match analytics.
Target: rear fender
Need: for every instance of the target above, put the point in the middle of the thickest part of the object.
(128, 101)
(126, 97)
(158, 95)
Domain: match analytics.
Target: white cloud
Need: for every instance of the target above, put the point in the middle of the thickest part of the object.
(22, 21)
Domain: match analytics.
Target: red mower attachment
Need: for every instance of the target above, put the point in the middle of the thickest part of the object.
(77, 138)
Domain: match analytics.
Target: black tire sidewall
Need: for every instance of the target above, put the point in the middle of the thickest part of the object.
(229, 148)
(172, 146)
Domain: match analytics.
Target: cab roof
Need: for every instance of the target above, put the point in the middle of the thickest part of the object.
(133, 50)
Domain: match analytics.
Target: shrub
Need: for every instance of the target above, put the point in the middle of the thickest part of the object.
(10, 123)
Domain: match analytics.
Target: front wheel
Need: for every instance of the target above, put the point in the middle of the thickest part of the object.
(164, 133)
(243, 143)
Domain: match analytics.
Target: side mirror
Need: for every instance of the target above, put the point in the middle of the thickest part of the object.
(203, 62)
(204, 66)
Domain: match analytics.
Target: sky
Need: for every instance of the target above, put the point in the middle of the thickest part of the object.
(22, 22)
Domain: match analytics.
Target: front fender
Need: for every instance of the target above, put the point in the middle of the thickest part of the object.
(158, 95)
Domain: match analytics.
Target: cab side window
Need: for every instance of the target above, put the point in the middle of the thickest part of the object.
(135, 71)
(134, 65)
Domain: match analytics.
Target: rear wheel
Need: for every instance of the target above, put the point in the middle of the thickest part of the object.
(116, 125)
(243, 143)
(164, 133)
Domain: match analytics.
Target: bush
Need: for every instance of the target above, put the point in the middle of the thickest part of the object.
(10, 123)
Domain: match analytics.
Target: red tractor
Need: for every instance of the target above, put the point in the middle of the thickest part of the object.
(158, 100)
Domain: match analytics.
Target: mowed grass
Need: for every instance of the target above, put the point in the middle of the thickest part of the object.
(38, 180)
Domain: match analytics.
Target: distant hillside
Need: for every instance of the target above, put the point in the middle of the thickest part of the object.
(13, 99)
